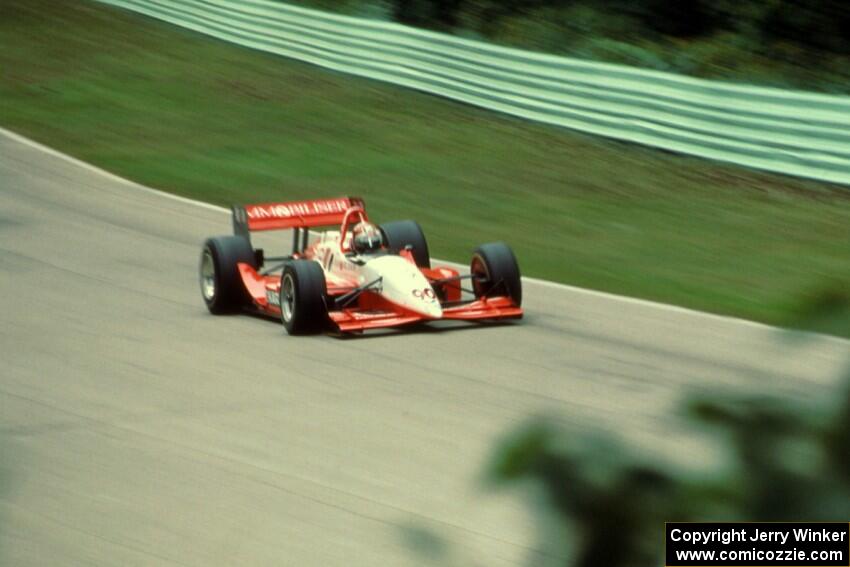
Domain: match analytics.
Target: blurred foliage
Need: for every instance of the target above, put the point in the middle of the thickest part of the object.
(781, 460)
(787, 43)
(609, 501)
(788, 461)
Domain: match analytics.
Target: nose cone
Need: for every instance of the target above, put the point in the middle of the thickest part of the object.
(403, 284)
(420, 299)
(432, 309)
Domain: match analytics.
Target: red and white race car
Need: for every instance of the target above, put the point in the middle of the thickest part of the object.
(358, 277)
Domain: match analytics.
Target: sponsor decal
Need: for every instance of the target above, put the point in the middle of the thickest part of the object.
(426, 294)
(301, 209)
(273, 297)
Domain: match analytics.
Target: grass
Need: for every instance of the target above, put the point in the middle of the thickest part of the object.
(201, 118)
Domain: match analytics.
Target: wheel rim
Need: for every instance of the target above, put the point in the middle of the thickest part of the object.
(479, 270)
(287, 297)
(208, 276)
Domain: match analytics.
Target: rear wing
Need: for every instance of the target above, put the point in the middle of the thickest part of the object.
(296, 214)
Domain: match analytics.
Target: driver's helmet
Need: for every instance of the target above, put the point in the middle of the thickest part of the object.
(366, 237)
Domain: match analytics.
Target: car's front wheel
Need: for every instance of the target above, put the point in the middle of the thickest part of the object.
(495, 272)
(303, 305)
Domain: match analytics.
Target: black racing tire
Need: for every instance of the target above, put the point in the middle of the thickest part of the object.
(496, 272)
(221, 285)
(399, 234)
(303, 298)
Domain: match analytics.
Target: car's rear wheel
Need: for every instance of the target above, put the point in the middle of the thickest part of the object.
(400, 234)
(303, 304)
(495, 272)
(221, 284)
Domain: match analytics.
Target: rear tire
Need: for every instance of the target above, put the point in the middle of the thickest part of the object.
(303, 305)
(496, 271)
(399, 234)
(221, 284)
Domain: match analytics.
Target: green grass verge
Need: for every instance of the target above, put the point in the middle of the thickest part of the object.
(201, 118)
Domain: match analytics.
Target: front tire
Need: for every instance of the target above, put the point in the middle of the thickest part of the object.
(221, 284)
(496, 272)
(303, 306)
(400, 234)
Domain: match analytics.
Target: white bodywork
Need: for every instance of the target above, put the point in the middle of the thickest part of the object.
(401, 281)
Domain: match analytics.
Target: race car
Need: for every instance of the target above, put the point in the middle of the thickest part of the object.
(360, 276)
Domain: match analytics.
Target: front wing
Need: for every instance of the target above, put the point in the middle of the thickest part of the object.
(352, 320)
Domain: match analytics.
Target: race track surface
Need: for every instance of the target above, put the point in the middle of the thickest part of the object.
(137, 429)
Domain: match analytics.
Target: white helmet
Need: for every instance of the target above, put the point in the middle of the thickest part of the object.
(366, 237)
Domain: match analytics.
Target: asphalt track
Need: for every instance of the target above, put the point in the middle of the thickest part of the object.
(136, 429)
